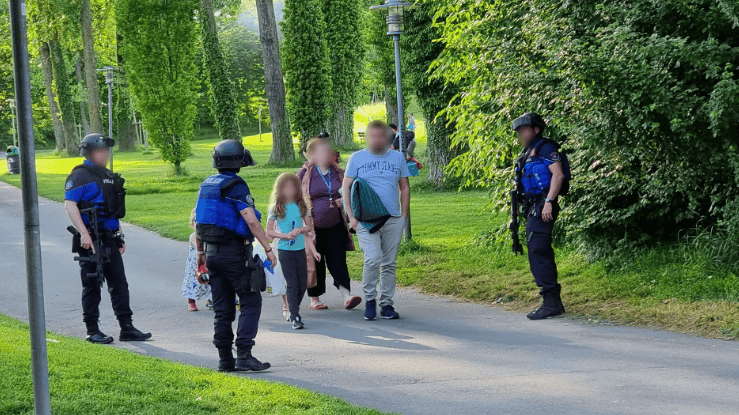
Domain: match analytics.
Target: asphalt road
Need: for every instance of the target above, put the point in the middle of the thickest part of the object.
(442, 357)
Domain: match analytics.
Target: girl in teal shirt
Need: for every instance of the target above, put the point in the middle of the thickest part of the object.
(290, 221)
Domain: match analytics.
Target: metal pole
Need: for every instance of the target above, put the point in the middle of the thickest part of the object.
(260, 123)
(110, 120)
(29, 190)
(408, 234)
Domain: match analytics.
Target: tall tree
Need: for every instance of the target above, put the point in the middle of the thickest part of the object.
(420, 49)
(64, 94)
(221, 88)
(282, 143)
(82, 94)
(122, 109)
(306, 68)
(46, 67)
(159, 39)
(345, 45)
(91, 78)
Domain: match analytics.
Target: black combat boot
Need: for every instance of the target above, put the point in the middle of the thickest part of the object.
(129, 333)
(550, 307)
(226, 362)
(94, 335)
(245, 362)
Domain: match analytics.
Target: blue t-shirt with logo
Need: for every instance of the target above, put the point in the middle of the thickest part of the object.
(292, 220)
(382, 173)
(82, 187)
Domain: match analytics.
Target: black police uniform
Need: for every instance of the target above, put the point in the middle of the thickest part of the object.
(536, 180)
(92, 186)
(228, 248)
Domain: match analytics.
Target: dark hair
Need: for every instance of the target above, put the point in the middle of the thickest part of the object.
(229, 170)
(393, 126)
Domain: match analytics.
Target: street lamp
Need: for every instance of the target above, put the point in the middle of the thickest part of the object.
(109, 81)
(395, 9)
(15, 125)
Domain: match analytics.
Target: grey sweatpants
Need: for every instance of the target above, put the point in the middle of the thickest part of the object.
(380, 253)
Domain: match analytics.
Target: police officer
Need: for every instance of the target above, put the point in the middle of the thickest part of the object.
(92, 185)
(540, 177)
(227, 223)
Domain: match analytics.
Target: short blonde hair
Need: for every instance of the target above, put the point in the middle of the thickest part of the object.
(376, 125)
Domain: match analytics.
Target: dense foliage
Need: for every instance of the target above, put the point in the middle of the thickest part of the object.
(642, 94)
(346, 49)
(306, 64)
(420, 50)
(159, 50)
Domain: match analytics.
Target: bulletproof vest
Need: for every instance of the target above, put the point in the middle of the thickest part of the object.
(111, 185)
(217, 220)
(533, 171)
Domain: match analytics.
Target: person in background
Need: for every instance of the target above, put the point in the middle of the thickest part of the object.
(409, 141)
(290, 221)
(321, 181)
(386, 172)
(411, 122)
(192, 288)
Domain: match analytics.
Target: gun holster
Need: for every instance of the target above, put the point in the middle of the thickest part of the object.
(76, 240)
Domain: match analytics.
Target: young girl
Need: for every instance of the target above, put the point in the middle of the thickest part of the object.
(290, 221)
(192, 289)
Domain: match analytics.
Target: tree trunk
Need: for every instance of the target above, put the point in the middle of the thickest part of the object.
(63, 93)
(122, 112)
(83, 101)
(91, 78)
(391, 106)
(221, 88)
(46, 68)
(282, 142)
(438, 151)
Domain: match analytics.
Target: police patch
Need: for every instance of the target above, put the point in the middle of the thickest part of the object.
(249, 200)
(555, 157)
(68, 186)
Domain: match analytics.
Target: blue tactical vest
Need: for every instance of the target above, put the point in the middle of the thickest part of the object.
(536, 176)
(218, 221)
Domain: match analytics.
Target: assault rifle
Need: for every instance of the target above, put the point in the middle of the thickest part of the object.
(514, 224)
(100, 254)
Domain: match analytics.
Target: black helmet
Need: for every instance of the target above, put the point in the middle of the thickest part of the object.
(93, 142)
(530, 119)
(231, 154)
(323, 135)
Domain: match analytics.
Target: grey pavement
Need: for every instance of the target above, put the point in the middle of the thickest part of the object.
(442, 357)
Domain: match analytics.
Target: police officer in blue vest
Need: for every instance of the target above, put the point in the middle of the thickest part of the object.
(540, 179)
(93, 188)
(227, 223)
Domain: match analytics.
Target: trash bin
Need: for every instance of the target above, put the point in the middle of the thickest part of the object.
(13, 159)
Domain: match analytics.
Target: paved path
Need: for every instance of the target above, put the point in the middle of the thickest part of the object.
(442, 357)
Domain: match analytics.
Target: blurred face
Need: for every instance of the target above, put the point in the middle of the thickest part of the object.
(288, 191)
(526, 134)
(323, 155)
(100, 157)
(377, 140)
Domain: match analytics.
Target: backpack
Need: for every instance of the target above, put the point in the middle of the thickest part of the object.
(563, 159)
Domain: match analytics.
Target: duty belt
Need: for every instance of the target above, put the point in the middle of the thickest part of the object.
(230, 248)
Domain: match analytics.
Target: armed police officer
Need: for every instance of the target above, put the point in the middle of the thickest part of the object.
(95, 201)
(542, 174)
(227, 224)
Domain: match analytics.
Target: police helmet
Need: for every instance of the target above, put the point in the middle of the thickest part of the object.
(231, 154)
(93, 142)
(323, 135)
(530, 119)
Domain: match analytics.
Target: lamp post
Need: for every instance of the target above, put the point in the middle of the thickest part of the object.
(109, 81)
(15, 124)
(395, 9)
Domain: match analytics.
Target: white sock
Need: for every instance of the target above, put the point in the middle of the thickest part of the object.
(345, 293)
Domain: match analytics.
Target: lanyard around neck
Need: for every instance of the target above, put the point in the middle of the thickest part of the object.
(327, 182)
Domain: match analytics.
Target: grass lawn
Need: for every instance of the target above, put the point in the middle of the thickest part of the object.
(94, 379)
(674, 288)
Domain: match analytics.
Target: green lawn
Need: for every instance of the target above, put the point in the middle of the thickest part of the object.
(93, 379)
(673, 287)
